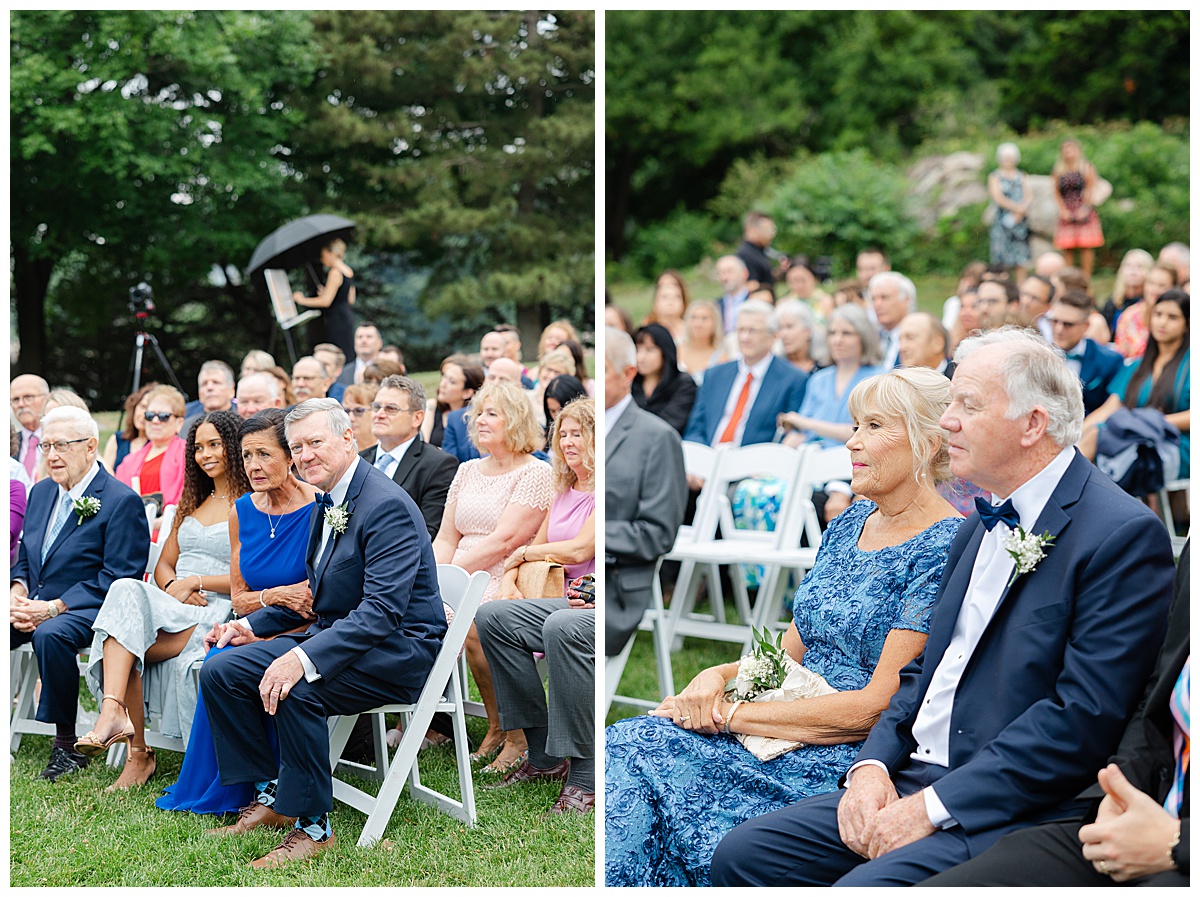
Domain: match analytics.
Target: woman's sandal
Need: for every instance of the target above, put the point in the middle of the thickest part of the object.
(481, 756)
(149, 751)
(493, 769)
(91, 746)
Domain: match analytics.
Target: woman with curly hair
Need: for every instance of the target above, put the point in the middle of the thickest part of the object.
(148, 635)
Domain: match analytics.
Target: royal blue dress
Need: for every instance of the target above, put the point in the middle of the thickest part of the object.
(672, 795)
(265, 562)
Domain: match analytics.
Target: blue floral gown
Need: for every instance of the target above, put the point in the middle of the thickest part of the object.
(671, 795)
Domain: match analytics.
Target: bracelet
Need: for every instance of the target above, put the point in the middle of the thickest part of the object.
(1171, 848)
(168, 585)
(262, 597)
(729, 716)
(201, 578)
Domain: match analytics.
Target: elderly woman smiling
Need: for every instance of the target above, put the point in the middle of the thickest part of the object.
(678, 780)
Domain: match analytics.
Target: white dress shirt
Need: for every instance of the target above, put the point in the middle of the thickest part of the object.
(397, 455)
(990, 574)
(1075, 356)
(613, 414)
(889, 345)
(759, 370)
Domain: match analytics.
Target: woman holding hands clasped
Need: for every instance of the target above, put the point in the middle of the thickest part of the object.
(679, 780)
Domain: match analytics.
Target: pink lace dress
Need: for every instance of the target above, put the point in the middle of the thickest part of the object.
(481, 499)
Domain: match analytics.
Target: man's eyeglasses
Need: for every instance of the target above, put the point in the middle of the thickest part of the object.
(61, 447)
(28, 400)
(391, 410)
(161, 416)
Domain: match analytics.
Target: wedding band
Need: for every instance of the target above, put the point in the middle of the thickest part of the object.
(684, 719)
(1102, 868)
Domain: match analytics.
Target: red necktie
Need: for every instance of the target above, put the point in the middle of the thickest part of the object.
(738, 410)
(31, 450)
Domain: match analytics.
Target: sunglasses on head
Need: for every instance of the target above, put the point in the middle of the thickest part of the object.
(162, 416)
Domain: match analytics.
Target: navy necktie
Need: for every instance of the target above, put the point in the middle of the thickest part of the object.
(1003, 513)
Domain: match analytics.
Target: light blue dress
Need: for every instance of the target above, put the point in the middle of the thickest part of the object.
(822, 402)
(672, 795)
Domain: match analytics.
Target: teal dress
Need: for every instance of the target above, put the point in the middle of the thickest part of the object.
(265, 562)
(672, 795)
(1180, 400)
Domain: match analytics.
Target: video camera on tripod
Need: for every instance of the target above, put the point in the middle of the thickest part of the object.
(141, 299)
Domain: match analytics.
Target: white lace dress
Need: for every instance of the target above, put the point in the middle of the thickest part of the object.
(481, 499)
(134, 612)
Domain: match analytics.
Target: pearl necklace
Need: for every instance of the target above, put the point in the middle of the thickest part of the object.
(272, 522)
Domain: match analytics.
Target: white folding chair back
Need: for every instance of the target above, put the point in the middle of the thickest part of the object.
(736, 545)
(164, 530)
(463, 592)
(22, 684)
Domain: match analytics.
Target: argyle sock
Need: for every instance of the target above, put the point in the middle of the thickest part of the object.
(582, 773)
(316, 827)
(64, 736)
(266, 792)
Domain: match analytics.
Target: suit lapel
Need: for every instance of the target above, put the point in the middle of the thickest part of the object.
(314, 542)
(356, 482)
(620, 431)
(408, 462)
(950, 605)
(93, 489)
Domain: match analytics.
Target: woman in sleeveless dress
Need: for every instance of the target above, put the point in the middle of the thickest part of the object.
(148, 634)
(335, 298)
(495, 505)
(1074, 179)
(1011, 196)
(678, 780)
(268, 533)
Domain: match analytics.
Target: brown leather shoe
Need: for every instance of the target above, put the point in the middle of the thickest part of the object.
(573, 799)
(296, 845)
(527, 773)
(252, 817)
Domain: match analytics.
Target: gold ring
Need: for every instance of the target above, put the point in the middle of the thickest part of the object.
(1102, 868)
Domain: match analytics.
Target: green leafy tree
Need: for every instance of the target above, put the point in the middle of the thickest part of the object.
(144, 145)
(466, 141)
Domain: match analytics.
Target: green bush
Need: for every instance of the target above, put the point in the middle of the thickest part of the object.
(678, 241)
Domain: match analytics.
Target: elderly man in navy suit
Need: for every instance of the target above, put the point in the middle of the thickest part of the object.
(1051, 609)
(739, 401)
(84, 530)
(379, 627)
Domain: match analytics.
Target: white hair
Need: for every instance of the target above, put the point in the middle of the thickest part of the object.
(758, 307)
(906, 287)
(79, 422)
(799, 311)
(267, 380)
(619, 350)
(336, 416)
(1035, 373)
(735, 258)
(1008, 149)
(217, 365)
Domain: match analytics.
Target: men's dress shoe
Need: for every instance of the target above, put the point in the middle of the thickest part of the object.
(252, 817)
(528, 773)
(63, 762)
(296, 845)
(573, 799)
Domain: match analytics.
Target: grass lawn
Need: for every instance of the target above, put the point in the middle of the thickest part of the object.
(71, 833)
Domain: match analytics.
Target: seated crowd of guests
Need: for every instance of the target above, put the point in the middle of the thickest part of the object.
(245, 486)
(978, 544)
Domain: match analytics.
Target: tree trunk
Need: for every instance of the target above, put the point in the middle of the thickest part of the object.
(31, 277)
(618, 187)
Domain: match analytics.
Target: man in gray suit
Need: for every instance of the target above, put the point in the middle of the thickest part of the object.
(645, 494)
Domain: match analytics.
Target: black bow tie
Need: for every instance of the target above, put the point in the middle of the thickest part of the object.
(991, 515)
(324, 500)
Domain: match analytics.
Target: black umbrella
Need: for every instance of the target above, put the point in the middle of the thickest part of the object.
(298, 242)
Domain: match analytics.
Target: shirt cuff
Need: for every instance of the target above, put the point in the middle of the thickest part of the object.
(245, 621)
(862, 763)
(938, 815)
(310, 671)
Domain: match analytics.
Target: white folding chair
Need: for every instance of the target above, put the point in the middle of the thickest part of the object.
(699, 460)
(22, 683)
(1164, 511)
(441, 693)
(168, 519)
(736, 545)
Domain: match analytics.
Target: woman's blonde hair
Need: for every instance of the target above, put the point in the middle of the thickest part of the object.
(1133, 255)
(173, 396)
(522, 434)
(336, 247)
(565, 326)
(718, 328)
(583, 411)
(559, 358)
(917, 397)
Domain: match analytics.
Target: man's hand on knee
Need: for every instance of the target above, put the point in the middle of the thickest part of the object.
(278, 680)
(900, 823)
(868, 792)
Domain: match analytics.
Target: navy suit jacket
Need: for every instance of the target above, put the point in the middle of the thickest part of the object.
(782, 389)
(454, 438)
(375, 593)
(1097, 368)
(1059, 669)
(425, 473)
(88, 556)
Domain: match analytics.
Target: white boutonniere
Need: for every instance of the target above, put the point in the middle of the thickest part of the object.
(85, 507)
(337, 518)
(1026, 550)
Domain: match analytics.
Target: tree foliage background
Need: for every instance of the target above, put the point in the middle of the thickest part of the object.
(691, 95)
(162, 146)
